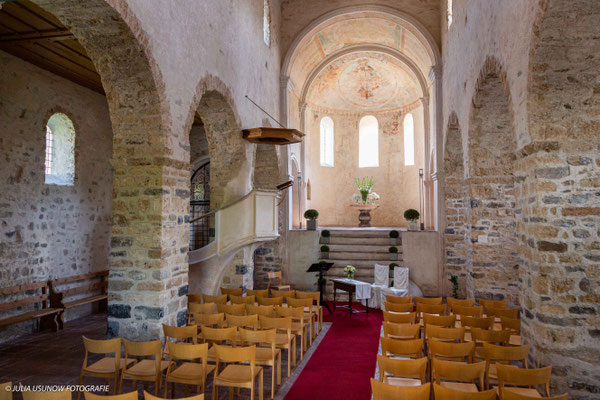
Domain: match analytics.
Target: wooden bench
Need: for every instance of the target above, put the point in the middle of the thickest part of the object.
(94, 285)
(37, 293)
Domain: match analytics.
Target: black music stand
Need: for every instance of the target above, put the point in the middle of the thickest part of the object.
(321, 268)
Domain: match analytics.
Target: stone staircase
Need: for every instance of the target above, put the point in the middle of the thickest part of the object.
(362, 248)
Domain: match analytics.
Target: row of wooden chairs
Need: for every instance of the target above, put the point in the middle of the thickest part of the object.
(66, 394)
(445, 309)
(449, 300)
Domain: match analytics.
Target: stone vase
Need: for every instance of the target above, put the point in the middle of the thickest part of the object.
(324, 240)
(393, 256)
(311, 224)
(393, 241)
(324, 255)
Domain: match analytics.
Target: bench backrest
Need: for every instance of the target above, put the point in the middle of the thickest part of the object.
(99, 278)
(40, 295)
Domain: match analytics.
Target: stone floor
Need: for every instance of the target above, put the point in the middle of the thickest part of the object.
(55, 358)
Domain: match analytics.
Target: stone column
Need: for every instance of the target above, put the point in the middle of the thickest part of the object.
(435, 76)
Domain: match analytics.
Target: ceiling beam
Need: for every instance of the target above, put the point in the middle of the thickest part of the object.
(53, 34)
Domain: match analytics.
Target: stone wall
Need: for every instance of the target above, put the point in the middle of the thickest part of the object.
(51, 231)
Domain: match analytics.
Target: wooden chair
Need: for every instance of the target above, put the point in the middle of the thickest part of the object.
(284, 339)
(234, 374)
(242, 321)
(458, 375)
(265, 356)
(148, 396)
(397, 372)
(504, 355)
(460, 302)
(279, 286)
(194, 298)
(480, 336)
(282, 293)
(127, 396)
(184, 370)
(218, 299)
(435, 309)
(383, 391)
(242, 299)
(518, 377)
(267, 311)
(232, 292)
(200, 308)
(444, 334)
(468, 311)
(428, 300)
(64, 394)
(312, 315)
(107, 367)
(398, 299)
(445, 393)
(233, 309)
(269, 301)
(187, 334)
(399, 307)
(493, 303)
(510, 324)
(316, 296)
(299, 326)
(510, 395)
(401, 331)
(219, 336)
(397, 318)
(446, 321)
(5, 391)
(257, 293)
(201, 320)
(145, 369)
(401, 348)
(451, 351)
(474, 322)
(502, 312)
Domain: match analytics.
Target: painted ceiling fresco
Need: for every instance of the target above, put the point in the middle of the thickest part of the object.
(365, 81)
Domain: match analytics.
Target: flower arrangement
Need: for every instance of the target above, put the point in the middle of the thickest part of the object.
(350, 270)
(365, 187)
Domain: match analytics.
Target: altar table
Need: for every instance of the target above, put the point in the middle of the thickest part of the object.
(361, 289)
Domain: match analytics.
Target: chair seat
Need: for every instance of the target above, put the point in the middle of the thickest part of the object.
(191, 371)
(531, 392)
(460, 386)
(264, 354)
(281, 340)
(394, 381)
(107, 365)
(146, 368)
(234, 373)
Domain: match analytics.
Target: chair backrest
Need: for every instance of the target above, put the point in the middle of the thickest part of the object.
(460, 302)
(401, 331)
(398, 299)
(399, 307)
(447, 321)
(306, 295)
(444, 334)
(5, 391)
(110, 346)
(297, 313)
(143, 349)
(493, 303)
(428, 300)
(383, 391)
(194, 298)
(474, 322)
(479, 335)
(513, 376)
(184, 351)
(218, 299)
(279, 323)
(511, 324)
(209, 319)
(257, 292)
(269, 301)
(126, 396)
(451, 351)
(242, 321)
(63, 395)
(505, 354)
(502, 312)
(469, 311)
(235, 354)
(202, 308)
(282, 293)
(179, 333)
(438, 309)
(512, 395)
(457, 371)
(416, 368)
(219, 335)
(148, 396)
(267, 311)
(233, 309)
(267, 336)
(242, 299)
(274, 275)
(396, 318)
(381, 275)
(403, 348)
(232, 291)
(445, 393)
(299, 302)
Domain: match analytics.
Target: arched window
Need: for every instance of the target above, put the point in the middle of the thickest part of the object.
(326, 142)
(60, 151)
(450, 12)
(368, 142)
(267, 22)
(409, 140)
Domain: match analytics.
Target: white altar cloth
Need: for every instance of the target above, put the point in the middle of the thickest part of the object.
(363, 289)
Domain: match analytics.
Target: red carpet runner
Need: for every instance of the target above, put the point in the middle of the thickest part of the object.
(341, 366)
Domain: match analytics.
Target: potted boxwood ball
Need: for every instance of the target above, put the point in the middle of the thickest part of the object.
(393, 253)
(392, 266)
(311, 219)
(324, 251)
(394, 237)
(412, 217)
(325, 236)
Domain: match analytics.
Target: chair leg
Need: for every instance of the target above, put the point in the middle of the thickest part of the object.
(251, 390)
(273, 381)
(116, 386)
(279, 370)
(261, 390)
(289, 363)
(214, 389)
(294, 350)
(167, 388)
(230, 394)
(80, 383)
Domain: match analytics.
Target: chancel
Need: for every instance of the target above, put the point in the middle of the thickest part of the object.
(299, 199)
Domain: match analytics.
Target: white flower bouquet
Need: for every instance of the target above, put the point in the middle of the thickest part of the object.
(350, 270)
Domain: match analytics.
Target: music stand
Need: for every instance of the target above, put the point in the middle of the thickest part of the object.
(321, 268)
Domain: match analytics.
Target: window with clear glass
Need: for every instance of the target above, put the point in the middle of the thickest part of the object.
(267, 22)
(60, 151)
(409, 140)
(326, 129)
(449, 13)
(368, 142)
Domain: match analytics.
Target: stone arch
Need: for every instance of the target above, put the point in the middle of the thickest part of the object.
(455, 210)
(492, 209)
(561, 222)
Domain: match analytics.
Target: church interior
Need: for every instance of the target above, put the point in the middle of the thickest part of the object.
(291, 199)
